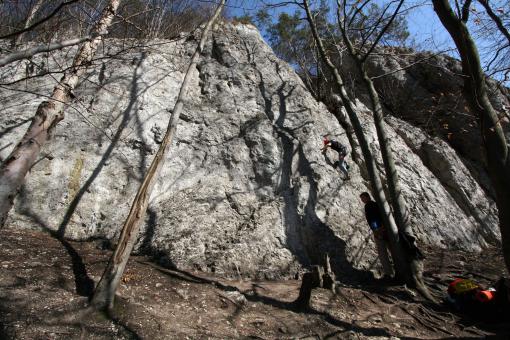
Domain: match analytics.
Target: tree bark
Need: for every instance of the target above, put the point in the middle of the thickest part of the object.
(400, 211)
(398, 203)
(104, 294)
(48, 114)
(402, 269)
(399, 206)
(475, 88)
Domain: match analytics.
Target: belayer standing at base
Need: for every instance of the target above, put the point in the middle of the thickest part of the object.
(342, 153)
(373, 215)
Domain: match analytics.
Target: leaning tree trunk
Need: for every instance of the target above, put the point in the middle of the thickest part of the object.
(397, 200)
(400, 210)
(399, 205)
(402, 269)
(30, 17)
(48, 114)
(104, 294)
(496, 146)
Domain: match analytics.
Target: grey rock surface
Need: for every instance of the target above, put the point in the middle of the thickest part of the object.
(425, 89)
(245, 190)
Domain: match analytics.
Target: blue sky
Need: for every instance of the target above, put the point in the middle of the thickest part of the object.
(423, 23)
(426, 30)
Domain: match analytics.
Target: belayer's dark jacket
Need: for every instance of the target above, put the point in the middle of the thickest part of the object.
(373, 215)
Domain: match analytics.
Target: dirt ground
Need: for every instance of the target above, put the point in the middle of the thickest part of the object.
(44, 284)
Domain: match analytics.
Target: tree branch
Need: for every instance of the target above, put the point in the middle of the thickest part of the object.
(495, 18)
(383, 31)
(30, 52)
(376, 24)
(358, 10)
(465, 10)
(34, 25)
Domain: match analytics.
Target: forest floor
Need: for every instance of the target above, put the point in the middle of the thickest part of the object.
(44, 284)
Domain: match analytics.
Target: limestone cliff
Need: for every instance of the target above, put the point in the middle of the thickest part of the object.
(244, 190)
(426, 90)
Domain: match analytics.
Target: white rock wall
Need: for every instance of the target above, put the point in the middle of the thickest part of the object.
(244, 190)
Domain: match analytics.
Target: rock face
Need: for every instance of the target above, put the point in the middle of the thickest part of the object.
(425, 90)
(245, 190)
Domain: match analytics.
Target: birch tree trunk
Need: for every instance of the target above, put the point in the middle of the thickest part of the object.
(475, 89)
(104, 294)
(48, 114)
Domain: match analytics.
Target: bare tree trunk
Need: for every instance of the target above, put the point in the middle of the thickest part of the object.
(104, 294)
(496, 146)
(398, 203)
(400, 210)
(399, 206)
(402, 269)
(28, 21)
(48, 114)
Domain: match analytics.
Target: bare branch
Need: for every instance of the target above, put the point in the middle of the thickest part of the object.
(496, 55)
(465, 11)
(497, 20)
(376, 24)
(358, 10)
(34, 25)
(28, 20)
(383, 30)
(459, 11)
(30, 52)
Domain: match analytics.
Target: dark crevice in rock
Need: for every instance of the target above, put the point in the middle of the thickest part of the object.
(307, 234)
(232, 203)
(291, 217)
(202, 82)
(219, 51)
(216, 52)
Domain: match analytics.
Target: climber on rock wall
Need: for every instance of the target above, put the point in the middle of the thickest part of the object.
(342, 153)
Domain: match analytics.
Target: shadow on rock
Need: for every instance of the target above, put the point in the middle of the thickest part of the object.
(309, 238)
